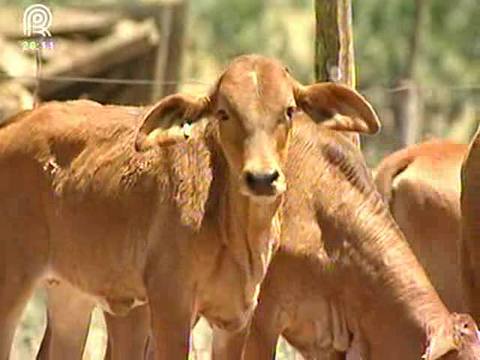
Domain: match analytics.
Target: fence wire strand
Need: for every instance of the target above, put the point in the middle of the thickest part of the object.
(101, 80)
(147, 82)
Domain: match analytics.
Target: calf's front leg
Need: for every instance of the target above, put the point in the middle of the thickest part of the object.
(170, 324)
(128, 335)
(265, 329)
(227, 345)
(170, 300)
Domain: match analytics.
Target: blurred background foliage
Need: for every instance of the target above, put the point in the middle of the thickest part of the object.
(447, 65)
(227, 28)
(381, 30)
(451, 45)
(224, 29)
(447, 68)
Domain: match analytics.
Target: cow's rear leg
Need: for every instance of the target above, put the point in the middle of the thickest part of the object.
(15, 291)
(68, 318)
(24, 245)
(22, 260)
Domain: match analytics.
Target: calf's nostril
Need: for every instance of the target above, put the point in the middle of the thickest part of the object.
(261, 179)
(250, 179)
(274, 176)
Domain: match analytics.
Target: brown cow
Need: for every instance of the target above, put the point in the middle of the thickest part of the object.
(421, 184)
(344, 277)
(190, 228)
(470, 206)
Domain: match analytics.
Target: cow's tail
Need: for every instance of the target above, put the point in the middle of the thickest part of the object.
(388, 169)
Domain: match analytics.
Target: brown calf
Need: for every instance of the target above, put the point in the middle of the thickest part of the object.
(91, 195)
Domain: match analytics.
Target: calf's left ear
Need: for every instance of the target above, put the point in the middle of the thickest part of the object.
(337, 107)
(170, 120)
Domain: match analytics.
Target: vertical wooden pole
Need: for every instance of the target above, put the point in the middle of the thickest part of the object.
(176, 47)
(172, 23)
(334, 55)
(406, 100)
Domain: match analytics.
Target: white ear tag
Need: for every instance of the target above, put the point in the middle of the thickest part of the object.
(187, 130)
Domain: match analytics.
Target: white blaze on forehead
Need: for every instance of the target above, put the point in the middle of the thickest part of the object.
(254, 76)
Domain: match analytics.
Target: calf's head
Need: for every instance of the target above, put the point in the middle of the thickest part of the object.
(254, 102)
(459, 339)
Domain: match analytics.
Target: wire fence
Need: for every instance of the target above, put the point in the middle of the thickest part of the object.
(101, 80)
(149, 82)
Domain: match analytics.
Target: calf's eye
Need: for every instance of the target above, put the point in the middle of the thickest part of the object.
(222, 115)
(290, 112)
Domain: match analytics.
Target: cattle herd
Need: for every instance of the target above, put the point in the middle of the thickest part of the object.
(248, 207)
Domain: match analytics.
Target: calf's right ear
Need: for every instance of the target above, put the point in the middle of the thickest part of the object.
(337, 107)
(170, 120)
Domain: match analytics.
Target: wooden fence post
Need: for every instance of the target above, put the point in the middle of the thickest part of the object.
(334, 55)
(406, 101)
(170, 53)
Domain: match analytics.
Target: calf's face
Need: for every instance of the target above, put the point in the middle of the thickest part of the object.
(254, 103)
(255, 106)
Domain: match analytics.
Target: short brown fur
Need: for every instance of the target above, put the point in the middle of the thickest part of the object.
(304, 296)
(422, 184)
(93, 197)
(344, 278)
(470, 208)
